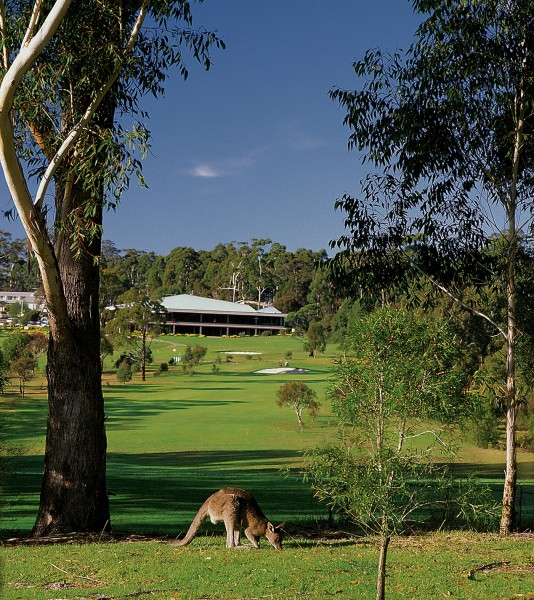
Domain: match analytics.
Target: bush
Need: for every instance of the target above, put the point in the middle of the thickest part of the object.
(124, 372)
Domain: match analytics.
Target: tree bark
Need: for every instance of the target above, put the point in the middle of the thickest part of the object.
(73, 492)
(382, 560)
(510, 478)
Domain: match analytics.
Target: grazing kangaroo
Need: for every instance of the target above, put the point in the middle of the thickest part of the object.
(238, 509)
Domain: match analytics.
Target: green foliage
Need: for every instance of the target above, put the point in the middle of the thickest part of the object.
(124, 371)
(462, 78)
(404, 364)
(20, 356)
(315, 338)
(23, 368)
(298, 396)
(15, 346)
(193, 355)
(399, 382)
(18, 268)
(3, 369)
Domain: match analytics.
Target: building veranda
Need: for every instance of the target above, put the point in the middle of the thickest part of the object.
(205, 316)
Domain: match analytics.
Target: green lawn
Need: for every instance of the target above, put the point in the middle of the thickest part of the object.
(175, 439)
(468, 567)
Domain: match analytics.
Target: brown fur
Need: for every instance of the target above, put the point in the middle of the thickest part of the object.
(238, 510)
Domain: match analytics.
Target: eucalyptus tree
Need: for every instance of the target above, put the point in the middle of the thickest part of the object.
(395, 393)
(446, 129)
(179, 273)
(72, 77)
(298, 396)
(136, 322)
(18, 268)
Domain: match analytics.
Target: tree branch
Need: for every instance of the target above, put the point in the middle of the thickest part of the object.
(3, 33)
(15, 178)
(36, 13)
(460, 302)
(78, 129)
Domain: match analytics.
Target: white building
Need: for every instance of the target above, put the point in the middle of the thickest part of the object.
(27, 300)
(194, 314)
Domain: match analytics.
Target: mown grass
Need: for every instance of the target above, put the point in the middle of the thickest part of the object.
(470, 567)
(175, 439)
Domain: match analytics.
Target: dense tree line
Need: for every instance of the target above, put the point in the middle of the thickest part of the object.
(259, 273)
(320, 307)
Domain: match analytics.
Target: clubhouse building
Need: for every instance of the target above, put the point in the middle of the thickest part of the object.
(194, 314)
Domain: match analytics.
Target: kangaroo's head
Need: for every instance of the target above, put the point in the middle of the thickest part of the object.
(274, 535)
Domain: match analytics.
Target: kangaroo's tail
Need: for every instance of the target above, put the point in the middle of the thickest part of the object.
(200, 517)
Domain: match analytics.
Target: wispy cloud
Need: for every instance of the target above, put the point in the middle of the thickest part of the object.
(222, 167)
(206, 171)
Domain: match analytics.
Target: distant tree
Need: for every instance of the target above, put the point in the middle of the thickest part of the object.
(316, 337)
(349, 311)
(18, 267)
(23, 369)
(258, 272)
(20, 356)
(135, 324)
(3, 372)
(14, 310)
(124, 371)
(179, 273)
(38, 343)
(299, 397)
(106, 348)
(297, 272)
(30, 315)
(15, 346)
(192, 357)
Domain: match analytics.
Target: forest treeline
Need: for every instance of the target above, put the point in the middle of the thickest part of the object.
(259, 272)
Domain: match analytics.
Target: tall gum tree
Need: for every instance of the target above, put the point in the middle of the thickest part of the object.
(68, 68)
(446, 129)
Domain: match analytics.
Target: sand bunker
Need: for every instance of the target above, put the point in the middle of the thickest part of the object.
(230, 352)
(279, 370)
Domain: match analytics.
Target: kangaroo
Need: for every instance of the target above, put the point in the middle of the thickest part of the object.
(237, 509)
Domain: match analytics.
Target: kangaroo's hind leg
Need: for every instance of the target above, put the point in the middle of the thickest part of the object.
(232, 523)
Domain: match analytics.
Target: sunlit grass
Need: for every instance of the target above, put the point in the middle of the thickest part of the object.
(468, 567)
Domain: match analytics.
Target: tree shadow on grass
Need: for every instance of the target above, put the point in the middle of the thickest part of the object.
(122, 414)
(162, 492)
(159, 493)
(24, 419)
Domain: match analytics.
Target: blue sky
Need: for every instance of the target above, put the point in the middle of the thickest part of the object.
(254, 148)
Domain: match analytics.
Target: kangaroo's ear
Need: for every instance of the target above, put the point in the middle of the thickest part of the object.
(271, 527)
(281, 526)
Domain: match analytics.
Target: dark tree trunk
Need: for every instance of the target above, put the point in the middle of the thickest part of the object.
(73, 492)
